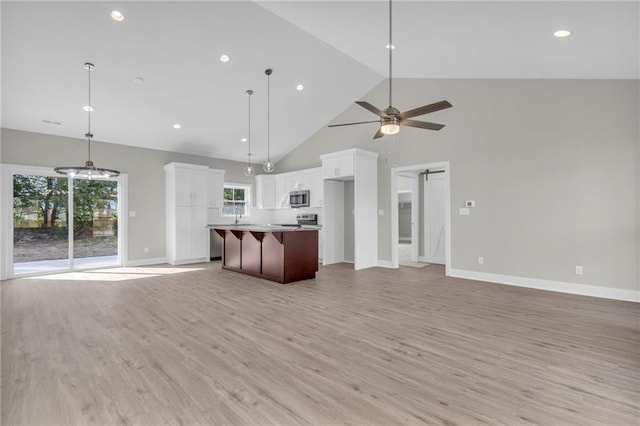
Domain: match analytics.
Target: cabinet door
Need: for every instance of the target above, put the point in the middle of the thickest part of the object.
(215, 189)
(316, 188)
(330, 168)
(347, 166)
(340, 167)
(198, 188)
(283, 187)
(183, 187)
(199, 235)
(266, 192)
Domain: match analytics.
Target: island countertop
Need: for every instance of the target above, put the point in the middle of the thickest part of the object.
(263, 228)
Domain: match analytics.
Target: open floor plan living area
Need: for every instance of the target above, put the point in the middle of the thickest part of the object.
(350, 212)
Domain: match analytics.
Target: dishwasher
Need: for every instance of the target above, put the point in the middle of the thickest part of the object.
(215, 245)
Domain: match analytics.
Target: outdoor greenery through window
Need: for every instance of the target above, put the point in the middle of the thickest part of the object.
(42, 215)
(236, 200)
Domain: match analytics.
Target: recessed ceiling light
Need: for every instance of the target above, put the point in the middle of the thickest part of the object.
(117, 16)
(138, 80)
(177, 126)
(224, 58)
(299, 87)
(392, 46)
(562, 33)
(243, 140)
(87, 108)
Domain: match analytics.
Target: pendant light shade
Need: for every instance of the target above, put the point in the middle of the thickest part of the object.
(249, 170)
(268, 167)
(89, 170)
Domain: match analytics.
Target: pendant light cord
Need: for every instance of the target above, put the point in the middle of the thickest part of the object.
(269, 117)
(390, 53)
(249, 92)
(89, 135)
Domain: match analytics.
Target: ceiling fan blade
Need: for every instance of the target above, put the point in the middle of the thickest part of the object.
(425, 109)
(421, 124)
(350, 124)
(376, 111)
(378, 134)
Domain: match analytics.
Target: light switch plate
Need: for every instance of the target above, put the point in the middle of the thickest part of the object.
(380, 212)
(463, 211)
(132, 213)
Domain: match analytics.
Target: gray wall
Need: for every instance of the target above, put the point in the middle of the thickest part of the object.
(144, 168)
(349, 225)
(551, 164)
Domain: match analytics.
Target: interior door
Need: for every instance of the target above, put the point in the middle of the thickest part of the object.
(434, 218)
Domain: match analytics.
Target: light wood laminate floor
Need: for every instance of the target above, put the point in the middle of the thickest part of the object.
(199, 345)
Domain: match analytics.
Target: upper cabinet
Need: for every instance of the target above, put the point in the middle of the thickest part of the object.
(190, 183)
(215, 188)
(339, 165)
(272, 191)
(266, 191)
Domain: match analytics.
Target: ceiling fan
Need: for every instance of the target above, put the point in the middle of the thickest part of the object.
(391, 118)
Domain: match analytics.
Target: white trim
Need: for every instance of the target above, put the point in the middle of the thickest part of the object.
(395, 171)
(6, 207)
(385, 264)
(405, 239)
(548, 285)
(146, 262)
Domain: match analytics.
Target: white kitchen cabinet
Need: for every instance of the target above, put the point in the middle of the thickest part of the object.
(186, 213)
(266, 191)
(272, 191)
(316, 188)
(363, 167)
(215, 188)
(283, 187)
(339, 165)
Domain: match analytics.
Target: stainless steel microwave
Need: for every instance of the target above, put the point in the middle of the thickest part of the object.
(299, 198)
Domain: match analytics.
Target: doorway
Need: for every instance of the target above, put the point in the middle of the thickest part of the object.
(428, 187)
(62, 224)
(408, 224)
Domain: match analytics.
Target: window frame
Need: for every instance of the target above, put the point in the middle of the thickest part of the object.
(247, 198)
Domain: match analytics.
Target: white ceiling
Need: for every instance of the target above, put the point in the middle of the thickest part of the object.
(336, 49)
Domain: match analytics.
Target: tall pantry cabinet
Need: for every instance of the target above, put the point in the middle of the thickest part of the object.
(187, 188)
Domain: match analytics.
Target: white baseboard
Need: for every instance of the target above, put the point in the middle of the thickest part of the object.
(385, 264)
(559, 286)
(146, 262)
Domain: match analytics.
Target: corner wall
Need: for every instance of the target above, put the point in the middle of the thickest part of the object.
(551, 164)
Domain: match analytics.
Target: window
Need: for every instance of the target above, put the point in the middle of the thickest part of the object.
(237, 198)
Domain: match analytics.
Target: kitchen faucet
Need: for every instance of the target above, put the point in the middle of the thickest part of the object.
(238, 214)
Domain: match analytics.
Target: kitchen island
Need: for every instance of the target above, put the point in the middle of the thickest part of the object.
(276, 253)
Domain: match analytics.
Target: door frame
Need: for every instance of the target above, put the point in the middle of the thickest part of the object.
(397, 171)
(6, 216)
(415, 208)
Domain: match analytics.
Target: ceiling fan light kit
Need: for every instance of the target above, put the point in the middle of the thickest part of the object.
(89, 170)
(391, 118)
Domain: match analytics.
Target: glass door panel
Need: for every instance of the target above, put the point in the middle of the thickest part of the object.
(95, 223)
(40, 224)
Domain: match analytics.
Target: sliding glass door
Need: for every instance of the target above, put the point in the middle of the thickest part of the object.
(47, 238)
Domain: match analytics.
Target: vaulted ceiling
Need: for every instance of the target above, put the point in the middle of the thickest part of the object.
(336, 49)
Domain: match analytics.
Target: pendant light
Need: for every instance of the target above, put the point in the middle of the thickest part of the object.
(249, 170)
(88, 171)
(268, 166)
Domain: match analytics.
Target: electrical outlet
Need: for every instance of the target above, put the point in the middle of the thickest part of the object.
(480, 260)
(579, 270)
(132, 213)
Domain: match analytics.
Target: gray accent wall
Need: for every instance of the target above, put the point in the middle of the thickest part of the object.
(144, 167)
(551, 164)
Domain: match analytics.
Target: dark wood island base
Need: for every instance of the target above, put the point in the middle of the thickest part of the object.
(280, 255)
